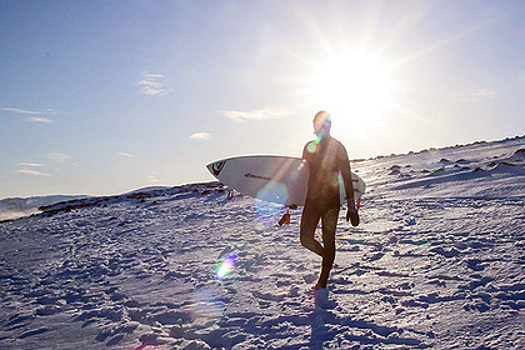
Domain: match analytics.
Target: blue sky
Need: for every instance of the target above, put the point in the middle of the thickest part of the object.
(102, 97)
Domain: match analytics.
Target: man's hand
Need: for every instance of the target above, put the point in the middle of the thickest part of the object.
(351, 214)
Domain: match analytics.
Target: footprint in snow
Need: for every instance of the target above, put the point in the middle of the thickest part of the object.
(269, 296)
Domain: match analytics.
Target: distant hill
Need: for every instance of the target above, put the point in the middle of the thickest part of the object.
(14, 208)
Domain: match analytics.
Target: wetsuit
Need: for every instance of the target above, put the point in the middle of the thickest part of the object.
(326, 158)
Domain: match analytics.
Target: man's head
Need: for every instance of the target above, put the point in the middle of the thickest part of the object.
(322, 123)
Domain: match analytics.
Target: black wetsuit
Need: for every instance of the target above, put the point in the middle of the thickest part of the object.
(326, 158)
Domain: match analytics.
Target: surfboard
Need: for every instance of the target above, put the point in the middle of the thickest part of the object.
(278, 179)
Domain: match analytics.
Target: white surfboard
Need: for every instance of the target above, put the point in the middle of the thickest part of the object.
(277, 179)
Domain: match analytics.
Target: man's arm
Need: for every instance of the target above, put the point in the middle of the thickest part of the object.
(346, 173)
(347, 177)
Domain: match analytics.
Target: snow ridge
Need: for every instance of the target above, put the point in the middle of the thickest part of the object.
(139, 196)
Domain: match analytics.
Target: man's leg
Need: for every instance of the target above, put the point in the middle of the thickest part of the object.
(309, 220)
(329, 227)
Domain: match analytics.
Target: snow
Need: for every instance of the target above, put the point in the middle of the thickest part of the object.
(437, 262)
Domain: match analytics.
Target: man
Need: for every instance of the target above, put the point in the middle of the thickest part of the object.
(326, 158)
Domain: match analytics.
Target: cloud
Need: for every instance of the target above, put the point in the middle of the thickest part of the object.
(30, 164)
(151, 85)
(31, 172)
(30, 112)
(40, 120)
(485, 93)
(22, 111)
(127, 155)
(35, 113)
(259, 114)
(153, 179)
(201, 136)
(58, 157)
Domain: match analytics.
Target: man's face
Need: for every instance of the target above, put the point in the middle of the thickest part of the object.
(322, 126)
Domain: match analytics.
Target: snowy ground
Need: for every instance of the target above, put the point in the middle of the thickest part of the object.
(437, 263)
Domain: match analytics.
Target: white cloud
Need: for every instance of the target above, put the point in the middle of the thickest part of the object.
(36, 113)
(58, 157)
(153, 179)
(151, 85)
(201, 136)
(40, 120)
(485, 93)
(127, 155)
(154, 76)
(259, 114)
(30, 164)
(31, 172)
(21, 111)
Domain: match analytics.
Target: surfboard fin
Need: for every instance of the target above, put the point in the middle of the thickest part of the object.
(285, 220)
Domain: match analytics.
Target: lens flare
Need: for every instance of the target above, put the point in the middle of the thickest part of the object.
(268, 213)
(207, 307)
(275, 192)
(313, 146)
(226, 266)
(271, 201)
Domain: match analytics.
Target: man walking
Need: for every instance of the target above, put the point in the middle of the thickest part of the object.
(326, 157)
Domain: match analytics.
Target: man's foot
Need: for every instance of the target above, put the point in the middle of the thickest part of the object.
(320, 297)
(319, 286)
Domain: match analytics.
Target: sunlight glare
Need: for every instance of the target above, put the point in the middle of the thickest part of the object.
(354, 85)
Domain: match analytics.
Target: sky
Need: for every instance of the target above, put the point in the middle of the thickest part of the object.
(104, 97)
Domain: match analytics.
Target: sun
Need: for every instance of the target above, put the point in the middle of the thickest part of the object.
(353, 85)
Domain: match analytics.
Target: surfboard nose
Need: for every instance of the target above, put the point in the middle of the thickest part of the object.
(215, 168)
(210, 168)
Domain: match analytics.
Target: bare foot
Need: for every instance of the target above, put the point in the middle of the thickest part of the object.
(318, 286)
